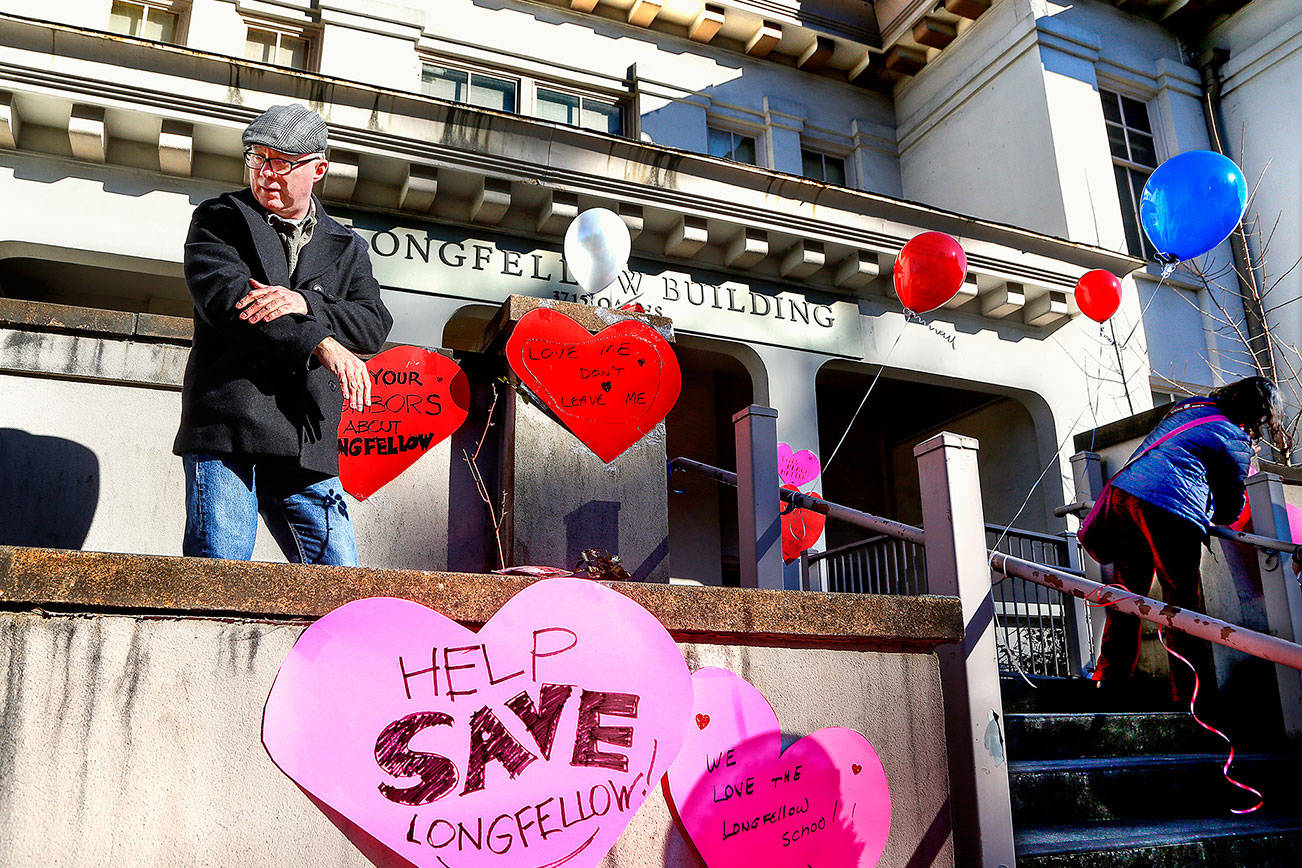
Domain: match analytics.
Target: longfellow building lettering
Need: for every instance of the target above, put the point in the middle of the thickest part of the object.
(545, 273)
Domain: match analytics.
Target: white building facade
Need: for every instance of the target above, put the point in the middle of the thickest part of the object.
(769, 158)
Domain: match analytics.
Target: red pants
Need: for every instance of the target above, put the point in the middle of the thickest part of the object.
(1150, 540)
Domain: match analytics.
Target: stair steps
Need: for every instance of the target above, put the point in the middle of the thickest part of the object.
(1104, 789)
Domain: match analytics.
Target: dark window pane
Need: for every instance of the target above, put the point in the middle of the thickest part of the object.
(1111, 107)
(492, 93)
(602, 117)
(811, 165)
(1117, 142)
(444, 83)
(719, 143)
(1142, 150)
(1136, 114)
(743, 149)
(1129, 216)
(835, 170)
(560, 107)
(1137, 181)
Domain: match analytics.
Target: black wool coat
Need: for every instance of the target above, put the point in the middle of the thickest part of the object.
(256, 391)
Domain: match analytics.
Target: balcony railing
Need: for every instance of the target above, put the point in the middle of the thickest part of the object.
(1031, 622)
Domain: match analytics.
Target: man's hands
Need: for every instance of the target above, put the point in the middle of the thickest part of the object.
(354, 382)
(265, 303)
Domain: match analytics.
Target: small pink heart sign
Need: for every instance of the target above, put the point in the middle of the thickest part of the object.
(744, 801)
(797, 468)
(529, 743)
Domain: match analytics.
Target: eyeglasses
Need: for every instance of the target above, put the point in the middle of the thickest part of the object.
(279, 165)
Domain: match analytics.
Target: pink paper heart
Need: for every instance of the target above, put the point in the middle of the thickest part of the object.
(579, 700)
(744, 801)
(797, 468)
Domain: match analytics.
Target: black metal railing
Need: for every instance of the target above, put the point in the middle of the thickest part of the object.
(1031, 621)
(878, 565)
(1031, 632)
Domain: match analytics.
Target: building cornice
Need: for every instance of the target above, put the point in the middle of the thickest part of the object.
(524, 176)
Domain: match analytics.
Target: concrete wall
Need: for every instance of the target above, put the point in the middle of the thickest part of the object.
(86, 431)
(135, 741)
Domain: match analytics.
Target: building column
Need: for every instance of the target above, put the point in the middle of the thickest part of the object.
(790, 391)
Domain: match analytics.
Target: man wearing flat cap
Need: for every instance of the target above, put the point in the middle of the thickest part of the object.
(283, 300)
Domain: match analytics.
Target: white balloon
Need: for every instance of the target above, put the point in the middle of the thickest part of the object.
(597, 245)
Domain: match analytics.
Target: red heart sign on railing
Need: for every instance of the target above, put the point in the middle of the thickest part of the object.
(609, 389)
(418, 399)
(801, 528)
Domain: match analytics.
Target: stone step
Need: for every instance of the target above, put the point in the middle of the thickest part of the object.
(1041, 695)
(1153, 787)
(1219, 842)
(1072, 736)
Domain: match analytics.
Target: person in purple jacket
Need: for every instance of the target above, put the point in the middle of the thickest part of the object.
(1161, 506)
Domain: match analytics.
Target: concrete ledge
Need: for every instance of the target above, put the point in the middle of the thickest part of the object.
(98, 581)
(72, 319)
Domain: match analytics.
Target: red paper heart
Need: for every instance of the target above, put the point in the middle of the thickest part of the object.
(418, 399)
(702, 721)
(609, 389)
(801, 528)
(856, 768)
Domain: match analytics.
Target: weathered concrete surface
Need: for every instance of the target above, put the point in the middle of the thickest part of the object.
(136, 741)
(562, 499)
(94, 580)
(86, 430)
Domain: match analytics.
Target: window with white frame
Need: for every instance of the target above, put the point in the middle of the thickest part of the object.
(822, 167)
(278, 46)
(1134, 157)
(577, 110)
(542, 99)
(731, 145)
(159, 21)
(473, 88)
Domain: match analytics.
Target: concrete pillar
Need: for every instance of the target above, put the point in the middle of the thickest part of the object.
(791, 376)
(957, 565)
(1279, 589)
(759, 537)
(1087, 474)
(560, 499)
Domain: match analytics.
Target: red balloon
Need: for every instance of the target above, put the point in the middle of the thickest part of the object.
(929, 271)
(1098, 294)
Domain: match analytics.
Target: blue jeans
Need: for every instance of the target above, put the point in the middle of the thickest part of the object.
(305, 512)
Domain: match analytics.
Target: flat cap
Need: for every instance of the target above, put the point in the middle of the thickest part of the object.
(290, 129)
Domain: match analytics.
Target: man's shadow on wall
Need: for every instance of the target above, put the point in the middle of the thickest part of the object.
(49, 489)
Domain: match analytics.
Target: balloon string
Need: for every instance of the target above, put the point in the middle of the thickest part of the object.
(1095, 598)
(871, 386)
(1229, 759)
(1167, 270)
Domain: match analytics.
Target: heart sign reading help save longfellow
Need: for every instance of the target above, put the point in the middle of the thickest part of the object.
(744, 801)
(418, 399)
(609, 389)
(531, 742)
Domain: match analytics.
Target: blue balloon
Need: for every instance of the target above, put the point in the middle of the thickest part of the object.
(1192, 203)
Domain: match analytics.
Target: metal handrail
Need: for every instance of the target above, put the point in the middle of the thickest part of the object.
(848, 547)
(817, 504)
(1252, 539)
(1261, 645)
